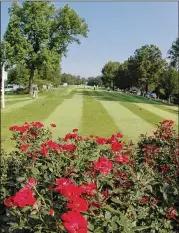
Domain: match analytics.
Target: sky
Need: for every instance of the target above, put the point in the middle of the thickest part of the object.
(117, 29)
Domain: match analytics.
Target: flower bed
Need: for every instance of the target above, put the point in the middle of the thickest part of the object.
(90, 184)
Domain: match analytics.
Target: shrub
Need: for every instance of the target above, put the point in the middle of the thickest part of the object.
(90, 184)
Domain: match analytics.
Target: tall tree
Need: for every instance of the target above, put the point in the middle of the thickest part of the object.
(110, 71)
(149, 64)
(169, 82)
(18, 75)
(94, 81)
(36, 30)
(174, 53)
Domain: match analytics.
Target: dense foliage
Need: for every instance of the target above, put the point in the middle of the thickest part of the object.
(38, 35)
(90, 184)
(147, 70)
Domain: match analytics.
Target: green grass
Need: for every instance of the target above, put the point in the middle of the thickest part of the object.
(38, 110)
(158, 104)
(99, 112)
(96, 120)
(127, 102)
(67, 115)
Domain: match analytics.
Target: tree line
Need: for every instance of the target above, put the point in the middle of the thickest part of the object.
(36, 40)
(147, 70)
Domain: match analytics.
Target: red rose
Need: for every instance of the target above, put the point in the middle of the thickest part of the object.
(62, 183)
(31, 182)
(79, 138)
(37, 124)
(53, 125)
(44, 151)
(113, 140)
(116, 146)
(74, 222)
(23, 139)
(51, 212)
(101, 141)
(171, 214)
(75, 130)
(119, 135)
(24, 147)
(78, 204)
(144, 200)
(24, 197)
(122, 159)
(89, 188)
(53, 145)
(9, 201)
(103, 165)
(69, 147)
(72, 191)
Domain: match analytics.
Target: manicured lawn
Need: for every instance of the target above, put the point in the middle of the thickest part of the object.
(93, 112)
(31, 110)
(96, 119)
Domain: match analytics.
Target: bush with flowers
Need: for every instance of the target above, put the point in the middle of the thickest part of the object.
(90, 184)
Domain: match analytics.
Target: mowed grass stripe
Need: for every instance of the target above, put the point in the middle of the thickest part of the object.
(66, 116)
(16, 105)
(96, 120)
(11, 100)
(159, 112)
(158, 104)
(37, 110)
(143, 113)
(130, 124)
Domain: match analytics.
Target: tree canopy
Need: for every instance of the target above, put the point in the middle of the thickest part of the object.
(145, 69)
(173, 53)
(38, 36)
(109, 72)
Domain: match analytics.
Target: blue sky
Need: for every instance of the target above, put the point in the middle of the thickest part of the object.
(116, 30)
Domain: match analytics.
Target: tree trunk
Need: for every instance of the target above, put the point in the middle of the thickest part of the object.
(31, 81)
(169, 99)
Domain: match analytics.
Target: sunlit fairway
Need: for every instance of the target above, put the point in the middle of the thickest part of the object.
(92, 112)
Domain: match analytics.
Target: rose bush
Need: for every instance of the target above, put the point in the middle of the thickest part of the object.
(81, 184)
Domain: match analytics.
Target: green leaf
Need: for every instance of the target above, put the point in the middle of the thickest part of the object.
(107, 215)
(35, 171)
(99, 230)
(51, 169)
(90, 227)
(117, 201)
(141, 228)
(26, 208)
(20, 179)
